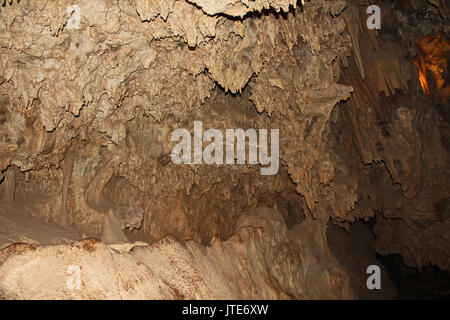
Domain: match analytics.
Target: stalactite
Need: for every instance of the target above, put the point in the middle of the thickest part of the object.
(9, 184)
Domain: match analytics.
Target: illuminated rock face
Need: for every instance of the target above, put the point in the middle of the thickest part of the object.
(90, 95)
(112, 91)
(169, 270)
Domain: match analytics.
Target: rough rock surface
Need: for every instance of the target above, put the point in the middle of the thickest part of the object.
(86, 116)
(112, 91)
(170, 270)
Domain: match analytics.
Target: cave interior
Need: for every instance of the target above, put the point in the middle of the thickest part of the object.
(90, 97)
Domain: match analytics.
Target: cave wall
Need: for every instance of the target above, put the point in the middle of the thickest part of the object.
(86, 116)
(112, 92)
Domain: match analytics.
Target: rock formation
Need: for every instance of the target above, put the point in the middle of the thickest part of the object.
(90, 92)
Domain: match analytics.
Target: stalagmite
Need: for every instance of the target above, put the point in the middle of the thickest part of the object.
(112, 229)
(67, 169)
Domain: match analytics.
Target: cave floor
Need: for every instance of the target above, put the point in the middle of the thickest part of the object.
(18, 225)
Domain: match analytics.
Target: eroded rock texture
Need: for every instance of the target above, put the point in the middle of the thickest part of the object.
(86, 116)
(169, 270)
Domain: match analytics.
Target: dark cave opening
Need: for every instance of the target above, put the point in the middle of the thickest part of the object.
(430, 283)
(354, 248)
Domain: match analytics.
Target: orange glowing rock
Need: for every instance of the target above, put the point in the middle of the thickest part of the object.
(431, 56)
